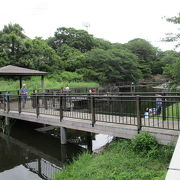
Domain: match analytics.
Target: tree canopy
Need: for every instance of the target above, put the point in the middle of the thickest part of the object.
(171, 37)
(172, 58)
(76, 55)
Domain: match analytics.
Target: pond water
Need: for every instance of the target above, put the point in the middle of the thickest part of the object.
(30, 155)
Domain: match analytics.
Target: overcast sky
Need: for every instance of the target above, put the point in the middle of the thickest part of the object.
(113, 20)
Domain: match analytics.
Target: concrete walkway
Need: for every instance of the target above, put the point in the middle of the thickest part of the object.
(174, 167)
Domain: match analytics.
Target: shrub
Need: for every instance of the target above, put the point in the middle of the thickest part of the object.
(144, 143)
(166, 152)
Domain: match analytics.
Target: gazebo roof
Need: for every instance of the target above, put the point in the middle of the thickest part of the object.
(19, 71)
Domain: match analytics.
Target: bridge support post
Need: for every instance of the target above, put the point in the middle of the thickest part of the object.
(63, 153)
(7, 125)
(63, 135)
(7, 121)
(89, 142)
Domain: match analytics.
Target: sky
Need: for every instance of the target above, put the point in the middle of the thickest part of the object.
(117, 21)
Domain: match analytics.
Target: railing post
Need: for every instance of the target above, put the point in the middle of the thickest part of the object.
(45, 101)
(53, 100)
(61, 107)
(4, 105)
(163, 107)
(138, 111)
(37, 106)
(19, 104)
(8, 104)
(34, 99)
(93, 110)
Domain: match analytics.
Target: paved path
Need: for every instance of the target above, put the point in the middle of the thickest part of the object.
(174, 167)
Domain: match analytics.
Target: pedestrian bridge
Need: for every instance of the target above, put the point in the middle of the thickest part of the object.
(116, 115)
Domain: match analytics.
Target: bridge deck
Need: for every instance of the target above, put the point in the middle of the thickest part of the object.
(115, 125)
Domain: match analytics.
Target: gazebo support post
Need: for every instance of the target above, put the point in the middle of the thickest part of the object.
(20, 82)
(42, 83)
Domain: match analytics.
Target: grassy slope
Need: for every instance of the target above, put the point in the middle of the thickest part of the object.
(34, 83)
(117, 162)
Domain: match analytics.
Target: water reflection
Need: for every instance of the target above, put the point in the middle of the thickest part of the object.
(30, 155)
(19, 173)
(100, 141)
(44, 168)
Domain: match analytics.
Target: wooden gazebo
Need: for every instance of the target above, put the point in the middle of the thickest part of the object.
(12, 71)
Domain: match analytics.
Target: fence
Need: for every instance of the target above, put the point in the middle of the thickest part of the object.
(141, 111)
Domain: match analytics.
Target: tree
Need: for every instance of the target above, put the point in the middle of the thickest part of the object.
(12, 43)
(146, 53)
(102, 44)
(71, 57)
(17, 49)
(78, 39)
(172, 65)
(39, 55)
(174, 37)
(173, 71)
(111, 66)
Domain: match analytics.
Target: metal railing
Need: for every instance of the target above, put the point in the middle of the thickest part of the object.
(141, 111)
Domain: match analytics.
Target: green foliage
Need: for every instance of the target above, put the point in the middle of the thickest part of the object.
(90, 74)
(70, 76)
(102, 44)
(78, 39)
(142, 48)
(41, 56)
(173, 71)
(146, 53)
(173, 111)
(116, 161)
(172, 61)
(85, 58)
(50, 83)
(72, 58)
(174, 37)
(144, 142)
(113, 65)
(17, 49)
(11, 43)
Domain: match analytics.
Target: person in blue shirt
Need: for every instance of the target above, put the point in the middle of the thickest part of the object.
(23, 92)
(6, 96)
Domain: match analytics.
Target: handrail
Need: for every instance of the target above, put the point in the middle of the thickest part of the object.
(128, 110)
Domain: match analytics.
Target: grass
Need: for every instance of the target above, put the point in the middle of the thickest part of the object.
(172, 113)
(35, 83)
(118, 162)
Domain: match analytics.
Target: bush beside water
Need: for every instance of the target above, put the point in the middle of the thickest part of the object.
(141, 158)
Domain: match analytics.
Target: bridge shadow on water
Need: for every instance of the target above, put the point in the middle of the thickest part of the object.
(28, 154)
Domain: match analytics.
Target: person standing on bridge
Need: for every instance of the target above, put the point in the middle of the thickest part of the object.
(23, 92)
